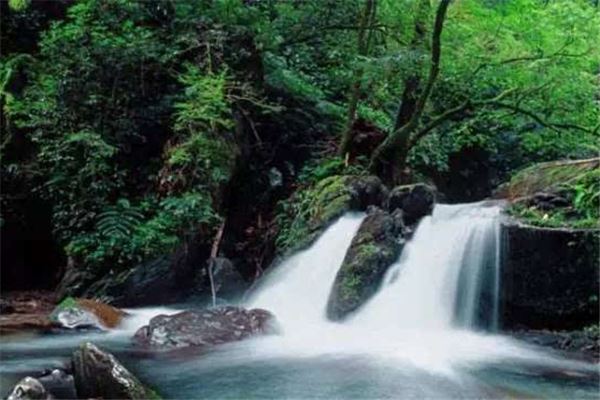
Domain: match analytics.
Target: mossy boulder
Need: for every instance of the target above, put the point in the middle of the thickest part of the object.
(375, 247)
(548, 177)
(314, 208)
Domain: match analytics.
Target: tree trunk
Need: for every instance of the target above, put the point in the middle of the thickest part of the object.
(366, 21)
(412, 83)
(389, 158)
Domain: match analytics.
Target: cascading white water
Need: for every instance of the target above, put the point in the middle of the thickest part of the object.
(297, 290)
(438, 281)
(445, 267)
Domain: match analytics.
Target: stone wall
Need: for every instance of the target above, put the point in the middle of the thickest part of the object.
(550, 277)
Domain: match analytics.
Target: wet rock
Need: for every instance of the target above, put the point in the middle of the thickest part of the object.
(205, 327)
(416, 201)
(99, 374)
(75, 280)
(59, 384)
(550, 277)
(26, 311)
(583, 344)
(366, 191)
(74, 313)
(375, 247)
(166, 279)
(229, 283)
(29, 388)
(546, 201)
(14, 323)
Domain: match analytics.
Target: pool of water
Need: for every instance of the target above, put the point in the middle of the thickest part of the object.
(269, 368)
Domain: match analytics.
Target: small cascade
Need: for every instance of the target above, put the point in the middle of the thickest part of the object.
(297, 290)
(444, 273)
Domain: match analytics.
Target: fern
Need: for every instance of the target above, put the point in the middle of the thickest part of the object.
(119, 221)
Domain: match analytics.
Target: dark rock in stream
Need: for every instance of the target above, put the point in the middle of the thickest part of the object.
(29, 388)
(582, 344)
(375, 247)
(99, 374)
(205, 327)
(59, 384)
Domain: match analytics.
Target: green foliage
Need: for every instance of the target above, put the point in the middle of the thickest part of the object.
(319, 169)
(302, 217)
(205, 106)
(18, 5)
(130, 118)
(119, 220)
(126, 235)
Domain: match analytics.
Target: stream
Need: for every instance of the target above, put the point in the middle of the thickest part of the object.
(430, 331)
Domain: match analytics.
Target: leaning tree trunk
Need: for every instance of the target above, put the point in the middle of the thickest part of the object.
(389, 158)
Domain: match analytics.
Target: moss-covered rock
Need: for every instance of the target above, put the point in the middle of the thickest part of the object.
(548, 177)
(556, 194)
(82, 313)
(314, 208)
(375, 247)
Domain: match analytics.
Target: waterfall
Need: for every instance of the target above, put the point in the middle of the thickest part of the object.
(297, 290)
(428, 311)
(446, 277)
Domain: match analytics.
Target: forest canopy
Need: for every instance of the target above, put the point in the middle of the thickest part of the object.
(141, 124)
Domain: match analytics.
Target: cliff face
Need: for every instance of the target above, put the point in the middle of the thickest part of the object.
(550, 277)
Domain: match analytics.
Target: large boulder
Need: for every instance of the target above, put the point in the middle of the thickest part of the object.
(416, 201)
(204, 327)
(375, 247)
(29, 388)
(99, 374)
(550, 277)
(74, 313)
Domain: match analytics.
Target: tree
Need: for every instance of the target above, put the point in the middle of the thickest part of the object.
(389, 160)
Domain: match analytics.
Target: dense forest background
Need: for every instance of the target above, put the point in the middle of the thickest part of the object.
(133, 128)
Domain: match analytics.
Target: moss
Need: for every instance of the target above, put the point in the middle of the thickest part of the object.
(152, 394)
(350, 288)
(65, 304)
(303, 217)
(546, 177)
